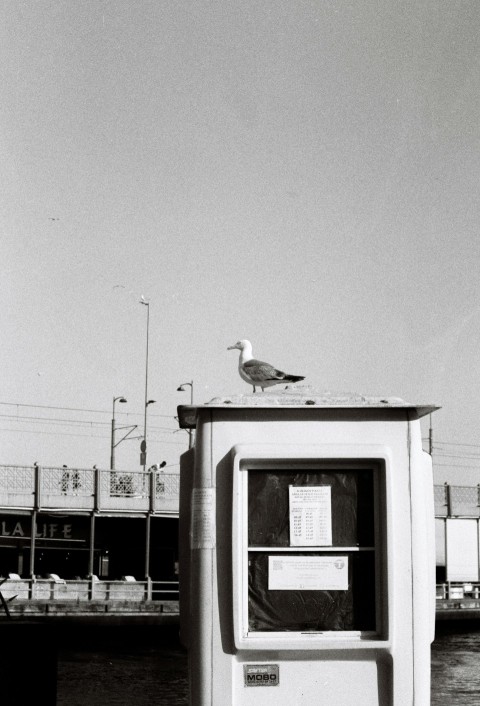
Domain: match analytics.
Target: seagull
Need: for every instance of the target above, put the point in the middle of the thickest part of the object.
(256, 372)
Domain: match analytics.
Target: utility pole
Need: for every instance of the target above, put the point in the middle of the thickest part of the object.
(430, 437)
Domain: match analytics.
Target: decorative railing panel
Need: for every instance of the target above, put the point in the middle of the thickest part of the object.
(124, 490)
(67, 481)
(464, 501)
(18, 484)
(70, 487)
(19, 479)
(166, 491)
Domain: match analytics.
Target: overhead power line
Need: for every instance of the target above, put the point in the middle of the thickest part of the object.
(464, 456)
(81, 409)
(458, 465)
(453, 443)
(68, 422)
(88, 436)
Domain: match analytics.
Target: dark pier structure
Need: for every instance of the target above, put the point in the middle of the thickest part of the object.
(90, 544)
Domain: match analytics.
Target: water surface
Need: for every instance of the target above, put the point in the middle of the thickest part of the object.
(456, 664)
(144, 666)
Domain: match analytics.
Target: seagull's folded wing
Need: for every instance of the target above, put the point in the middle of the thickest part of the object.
(259, 371)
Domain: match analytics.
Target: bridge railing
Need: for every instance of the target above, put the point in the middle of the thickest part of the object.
(457, 500)
(46, 487)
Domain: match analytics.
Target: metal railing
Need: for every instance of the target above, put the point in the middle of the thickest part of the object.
(457, 590)
(457, 500)
(37, 488)
(93, 589)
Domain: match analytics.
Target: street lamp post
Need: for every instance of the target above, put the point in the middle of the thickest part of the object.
(144, 442)
(181, 388)
(120, 399)
(143, 447)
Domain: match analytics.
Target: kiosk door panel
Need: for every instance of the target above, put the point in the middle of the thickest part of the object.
(312, 563)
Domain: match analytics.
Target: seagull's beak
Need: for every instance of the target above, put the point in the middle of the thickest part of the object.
(231, 348)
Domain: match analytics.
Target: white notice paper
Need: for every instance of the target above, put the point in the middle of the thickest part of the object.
(308, 573)
(310, 516)
(202, 534)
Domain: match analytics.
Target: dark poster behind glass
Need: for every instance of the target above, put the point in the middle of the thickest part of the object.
(352, 517)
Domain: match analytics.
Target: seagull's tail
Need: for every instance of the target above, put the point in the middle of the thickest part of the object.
(293, 378)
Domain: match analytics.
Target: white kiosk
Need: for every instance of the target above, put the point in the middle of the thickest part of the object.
(307, 558)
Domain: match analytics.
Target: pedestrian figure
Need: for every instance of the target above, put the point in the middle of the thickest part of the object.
(76, 484)
(159, 481)
(65, 480)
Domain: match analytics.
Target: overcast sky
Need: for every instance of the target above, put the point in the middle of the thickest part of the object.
(303, 174)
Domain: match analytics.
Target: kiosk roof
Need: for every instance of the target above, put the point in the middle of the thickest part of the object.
(299, 396)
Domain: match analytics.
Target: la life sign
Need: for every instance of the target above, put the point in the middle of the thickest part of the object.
(43, 530)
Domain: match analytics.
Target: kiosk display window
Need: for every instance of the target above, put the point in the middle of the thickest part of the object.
(312, 555)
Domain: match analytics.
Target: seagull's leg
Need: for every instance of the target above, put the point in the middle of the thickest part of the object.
(254, 388)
